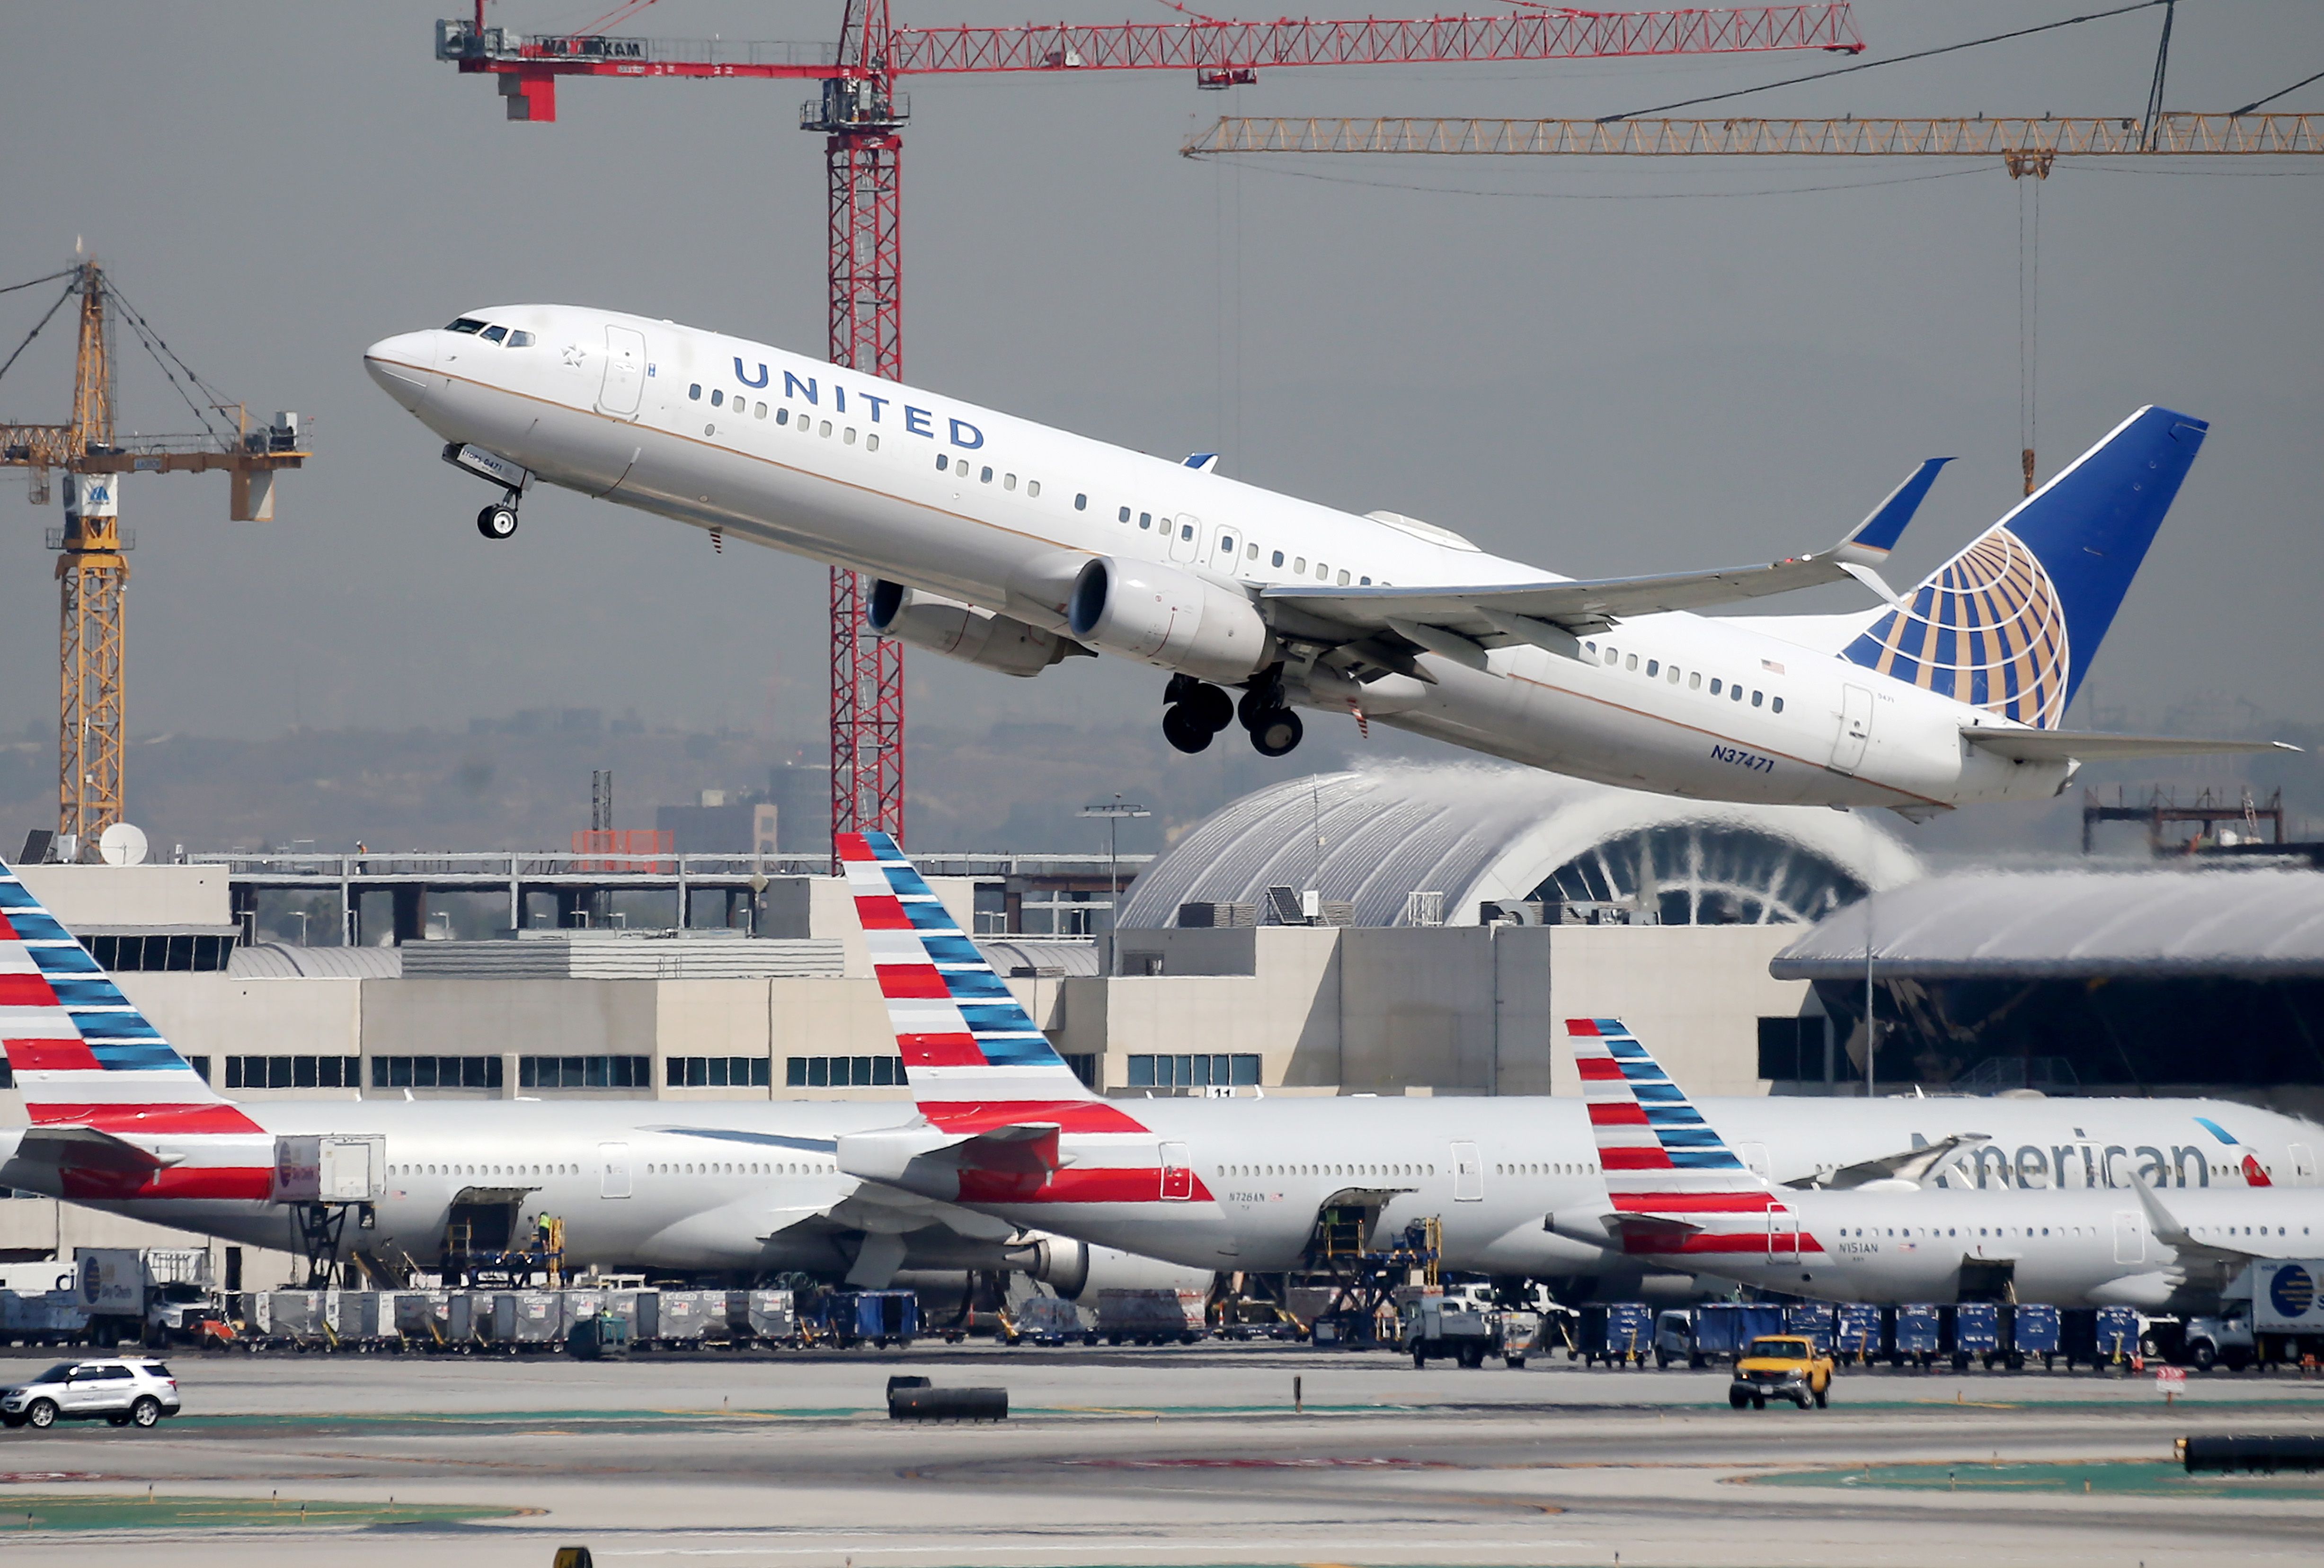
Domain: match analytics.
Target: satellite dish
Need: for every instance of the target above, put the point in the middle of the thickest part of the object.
(122, 844)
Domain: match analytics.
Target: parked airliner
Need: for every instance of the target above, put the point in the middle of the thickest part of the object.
(1014, 546)
(1007, 1129)
(120, 1121)
(1680, 1197)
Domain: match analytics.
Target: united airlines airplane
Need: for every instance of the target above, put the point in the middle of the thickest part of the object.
(1014, 546)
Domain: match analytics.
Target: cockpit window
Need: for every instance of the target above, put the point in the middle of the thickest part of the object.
(465, 324)
(494, 334)
(519, 339)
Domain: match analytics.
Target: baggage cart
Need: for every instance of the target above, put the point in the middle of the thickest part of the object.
(1815, 1319)
(1856, 1331)
(1916, 1335)
(2033, 1330)
(1976, 1333)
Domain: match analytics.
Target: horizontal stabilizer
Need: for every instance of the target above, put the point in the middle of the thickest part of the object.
(2066, 746)
(1910, 1164)
(1024, 1148)
(86, 1148)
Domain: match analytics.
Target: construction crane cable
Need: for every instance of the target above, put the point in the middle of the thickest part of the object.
(165, 356)
(44, 321)
(1897, 60)
(67, 273)
(2287, 92)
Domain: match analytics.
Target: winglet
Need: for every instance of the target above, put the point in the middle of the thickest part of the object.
(1869, 543)
(1204, 462)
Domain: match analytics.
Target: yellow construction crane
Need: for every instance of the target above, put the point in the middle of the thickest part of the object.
(92, 564)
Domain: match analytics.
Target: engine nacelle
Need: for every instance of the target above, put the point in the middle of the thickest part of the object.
(1076, 1270)
(963, 632)
(1162, 615)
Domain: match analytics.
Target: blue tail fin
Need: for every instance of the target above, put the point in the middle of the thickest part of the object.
(2012, 623)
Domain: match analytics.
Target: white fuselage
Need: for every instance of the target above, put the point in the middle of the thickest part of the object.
(706, 1187)
(1514, 1183)
(2076, 1247)
(841, 466)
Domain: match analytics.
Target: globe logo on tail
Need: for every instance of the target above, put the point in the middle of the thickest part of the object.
(1988, 630)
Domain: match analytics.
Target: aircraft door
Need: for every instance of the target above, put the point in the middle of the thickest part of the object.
(1468, 1174)
(2129, 1238)
(2303, 1165)
(1783, 1234)
(613, 1170)
(625, 372)
(1177, 1173)
(1754, 1158)
(1186, 533)
(1855, 729)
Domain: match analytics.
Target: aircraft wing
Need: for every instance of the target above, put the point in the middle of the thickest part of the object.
(1911, 1164)
(2190, 1253)
(2066, 745)
(1493, 614)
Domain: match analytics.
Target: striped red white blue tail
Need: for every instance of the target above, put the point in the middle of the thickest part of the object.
(81, 1053)
(1676, 1185)
(966, 1042)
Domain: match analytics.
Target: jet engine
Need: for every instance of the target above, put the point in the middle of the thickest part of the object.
(1077, 1272)
(963, 632)
(1162, 615)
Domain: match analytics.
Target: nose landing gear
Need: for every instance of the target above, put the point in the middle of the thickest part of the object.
(498, 520)
(1197, 711)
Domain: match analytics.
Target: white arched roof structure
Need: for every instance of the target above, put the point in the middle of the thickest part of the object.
(1474, 833)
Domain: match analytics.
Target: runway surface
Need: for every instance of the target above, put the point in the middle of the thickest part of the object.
(1179, 1457)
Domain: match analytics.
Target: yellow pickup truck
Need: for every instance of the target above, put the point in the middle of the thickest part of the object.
(1781, 1367)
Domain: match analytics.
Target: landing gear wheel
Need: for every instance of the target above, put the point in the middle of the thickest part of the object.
(497, 521)
(1276, 733)
(1180, 729)
(1210, 707)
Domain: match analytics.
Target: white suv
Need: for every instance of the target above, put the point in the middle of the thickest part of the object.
(137, 1392)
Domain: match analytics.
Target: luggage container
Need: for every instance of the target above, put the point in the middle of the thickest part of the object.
(1815, 1319)
(846, 1318)
(1616, 1332)
(690, 1317)
(421, 1317)
(2031, 1329)
(1856, 1331)
(49, 1317)
(1154, 1316)
(294, 1314)
(771, 1315)
(366, 1315)
(1976, 1333)
(597, 1337)
(468, 1319)
(2097, 1337)
(1916, 1333)
(526, 1317)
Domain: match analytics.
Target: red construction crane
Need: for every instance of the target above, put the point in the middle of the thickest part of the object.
(861, 117)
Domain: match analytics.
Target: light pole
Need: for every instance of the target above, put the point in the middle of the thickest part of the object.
(1113, 816)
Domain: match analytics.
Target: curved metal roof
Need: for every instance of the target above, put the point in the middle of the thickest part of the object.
(281, 961)
(2229, 924)
(1472, 832)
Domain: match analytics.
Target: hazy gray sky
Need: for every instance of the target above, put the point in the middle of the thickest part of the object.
(1598, 386)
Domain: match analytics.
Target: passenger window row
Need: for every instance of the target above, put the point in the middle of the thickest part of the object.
(805, 425)
(983, 473)
(1656, 669)
(739, 1167)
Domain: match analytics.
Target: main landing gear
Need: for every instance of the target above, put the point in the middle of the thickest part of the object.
(1198, 711)
(498, 520)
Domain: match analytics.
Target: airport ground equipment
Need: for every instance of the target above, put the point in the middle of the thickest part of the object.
(2266, 1454)
(1617, 1333)
(1716, 1330)
(1049, 1320)
(1856, 1332)
(1916, 1333)
(2098, 1337)
(918, 1399)
(92, 548)
(602, 1336)
(845, 1319)
(860, 116)
(2032, 1329)
(1781, 1367)
(1153, 1316)
(1973, 1332)
(1815, 1319)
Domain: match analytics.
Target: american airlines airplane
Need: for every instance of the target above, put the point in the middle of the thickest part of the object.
(1678, 1196)
(1519, 1184)
(119, 1122)
(1013, 546)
